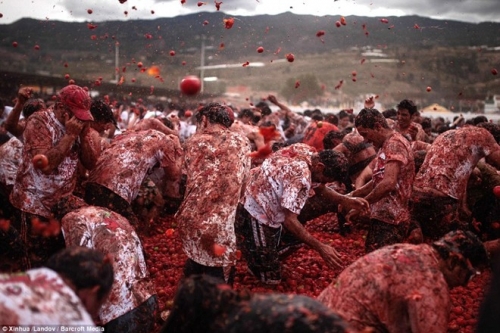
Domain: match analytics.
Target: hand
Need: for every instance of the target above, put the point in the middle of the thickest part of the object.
(330, 256)
(272, 99)
(24, 94)
(413, 131)
(74, 126)
(369, 103)
(358, 204)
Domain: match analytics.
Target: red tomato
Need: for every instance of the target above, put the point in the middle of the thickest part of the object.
(494, 71)
(342, 20)
(201, 3)
(169, 232)
(228, 23)
(139, 64)
(260, 49)
(66, 76)
(188, 113)
(297, 84)
(384, 20)
(14, 44)
(183, 63)
(190, 85)
(429, 89)
(172, 53)
(40, 161)
(320, 33)
(217, 5)
(89, 11)
(290, 57)
(338, 24)
(496, 191)
(219, 250)
(205, 22)
(37, 47)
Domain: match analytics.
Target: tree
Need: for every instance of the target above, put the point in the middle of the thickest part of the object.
(304, 88)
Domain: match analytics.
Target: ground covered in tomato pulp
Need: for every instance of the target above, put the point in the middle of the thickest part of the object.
(303, 272)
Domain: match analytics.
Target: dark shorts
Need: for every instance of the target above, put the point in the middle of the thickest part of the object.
(263, 247)
(193, 268)
(436, 215)
(382, 234)
(98, 195)
(139, 320)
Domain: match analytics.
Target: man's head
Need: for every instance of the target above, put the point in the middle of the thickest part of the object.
(88, 272)
(461, 253)
(406, 110)
(76, 101)
(246, 116)
(102, 113)
(332, 139)
(329, 166)
(33, 105)
(371, 125)
(216, 113)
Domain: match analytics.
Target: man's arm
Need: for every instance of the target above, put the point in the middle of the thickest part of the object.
(328, 253)
(90, 148)
(348, 202)
(38, 140)
(387, 184)
(12, 122)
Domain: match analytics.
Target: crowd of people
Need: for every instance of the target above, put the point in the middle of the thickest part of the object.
(81, 180)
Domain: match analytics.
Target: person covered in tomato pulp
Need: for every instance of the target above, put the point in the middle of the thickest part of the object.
(405, 287)
(132, 302)
(204, 304)
(69, 290)
(217, 164)
(439, 200)
(273, 199)
(390, 189)
(60, 137)
(120, 170)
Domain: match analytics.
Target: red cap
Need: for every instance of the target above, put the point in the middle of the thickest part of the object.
(77, 100)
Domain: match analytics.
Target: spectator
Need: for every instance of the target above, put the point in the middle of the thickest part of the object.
(405, 124)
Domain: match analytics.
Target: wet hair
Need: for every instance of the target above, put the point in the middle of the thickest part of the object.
(160, 107)
(494, 129)
(426, 123)
(332, 119)
(246, 113)
(265, 110)
(84, 267)
(465, 243)
(33, 105)
(390, 113)
(204, 304)
(102, 113)
(343, 114)
(330, 137)
(318, 117)
(479, 119)
(336, 164)
(216, 113)
(166, 122)
(408, 105)
(367, 118)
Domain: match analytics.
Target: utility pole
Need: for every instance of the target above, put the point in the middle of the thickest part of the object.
(202, 62)
(117, 68)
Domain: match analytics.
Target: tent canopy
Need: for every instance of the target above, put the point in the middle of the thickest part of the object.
(435, 108)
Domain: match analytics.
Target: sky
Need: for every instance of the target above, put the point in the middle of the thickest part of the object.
(474, 11)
